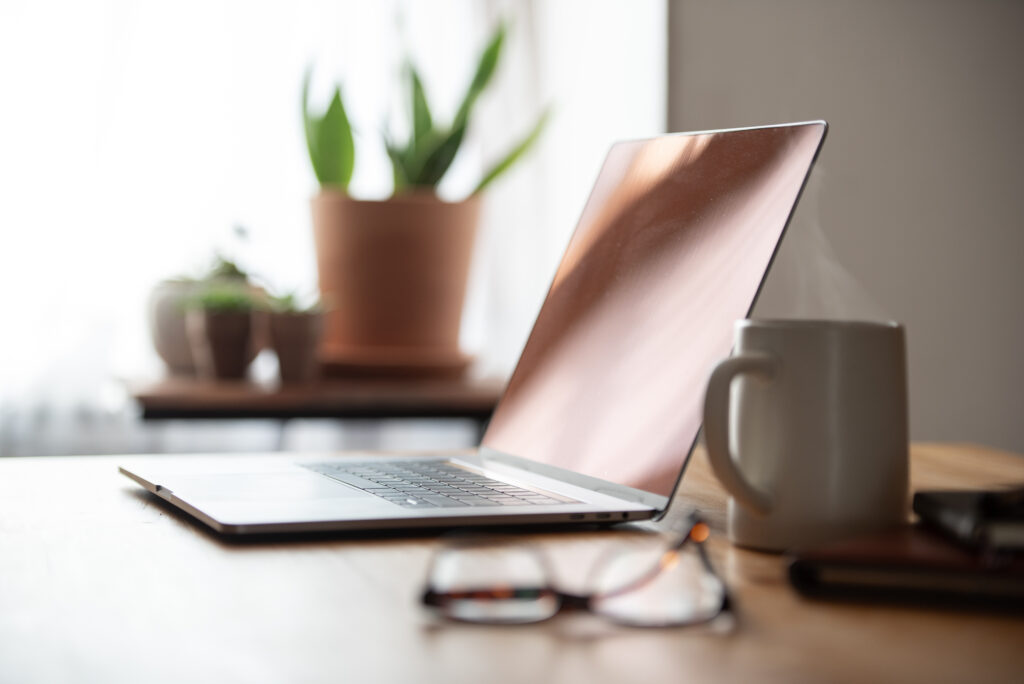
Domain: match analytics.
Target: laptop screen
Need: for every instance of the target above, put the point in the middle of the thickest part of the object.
(672, 248)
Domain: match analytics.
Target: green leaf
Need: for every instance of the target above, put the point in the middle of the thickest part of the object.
(422, 158)
(335, 147)
(439, 159)
(484, 71)
(515, 153)
(430, 152)
(398, 164)
(310, 125)
(422, 122)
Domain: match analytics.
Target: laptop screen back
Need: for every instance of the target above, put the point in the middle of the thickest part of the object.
(672, 248)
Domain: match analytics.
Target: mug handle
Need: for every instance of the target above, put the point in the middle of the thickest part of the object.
(716, 427)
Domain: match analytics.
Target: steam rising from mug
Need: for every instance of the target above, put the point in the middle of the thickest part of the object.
(809, 280)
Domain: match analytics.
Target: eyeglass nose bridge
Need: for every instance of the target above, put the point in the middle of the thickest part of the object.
(431, 598)
(574, 601)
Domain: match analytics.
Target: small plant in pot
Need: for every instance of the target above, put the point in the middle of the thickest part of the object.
(396, 270)
(295, 331)
(166, 309)
(223, 328)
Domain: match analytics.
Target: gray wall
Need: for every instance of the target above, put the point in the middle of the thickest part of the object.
(916, 210)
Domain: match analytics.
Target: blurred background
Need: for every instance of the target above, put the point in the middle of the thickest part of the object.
(134, 136)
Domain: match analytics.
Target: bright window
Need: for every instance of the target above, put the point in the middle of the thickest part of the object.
(134, 135)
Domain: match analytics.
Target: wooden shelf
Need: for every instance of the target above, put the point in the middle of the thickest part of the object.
(182, 397)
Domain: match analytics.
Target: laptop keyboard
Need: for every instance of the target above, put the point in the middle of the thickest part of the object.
(431, 484)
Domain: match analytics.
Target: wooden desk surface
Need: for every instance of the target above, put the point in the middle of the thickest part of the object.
(99, 582)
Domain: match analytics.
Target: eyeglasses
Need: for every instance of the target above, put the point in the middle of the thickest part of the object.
(651, 582)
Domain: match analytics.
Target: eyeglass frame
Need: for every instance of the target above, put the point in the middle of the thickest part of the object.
(697, 532)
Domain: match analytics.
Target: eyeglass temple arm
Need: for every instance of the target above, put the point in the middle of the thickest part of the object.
(694, 520)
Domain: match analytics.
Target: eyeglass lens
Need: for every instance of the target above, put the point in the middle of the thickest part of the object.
(650, 583)
(494, 583)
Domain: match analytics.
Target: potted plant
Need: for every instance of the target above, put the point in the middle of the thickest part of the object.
(168, 299)
(166, 312)
(223, 329)
(295, 332)
(395, 271)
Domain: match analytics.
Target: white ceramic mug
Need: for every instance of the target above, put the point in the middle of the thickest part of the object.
(806, 427)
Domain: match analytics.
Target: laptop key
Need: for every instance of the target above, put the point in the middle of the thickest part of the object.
(479, 501)
(410, 502)
(443, 501)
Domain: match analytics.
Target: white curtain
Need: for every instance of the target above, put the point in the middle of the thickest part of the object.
(135, 135)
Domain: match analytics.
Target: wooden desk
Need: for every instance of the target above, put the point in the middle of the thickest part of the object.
(99, 582)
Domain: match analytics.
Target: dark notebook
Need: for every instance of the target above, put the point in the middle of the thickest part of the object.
(979, 519)
(911, 565)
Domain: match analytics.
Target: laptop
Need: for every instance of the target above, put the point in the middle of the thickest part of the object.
(604, 406)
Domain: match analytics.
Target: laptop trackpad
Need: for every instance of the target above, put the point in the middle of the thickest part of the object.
(272, 486)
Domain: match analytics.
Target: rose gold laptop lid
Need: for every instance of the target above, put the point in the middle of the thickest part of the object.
(672, 247)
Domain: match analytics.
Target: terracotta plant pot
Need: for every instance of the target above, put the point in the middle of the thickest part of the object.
(393, 273)
(296, 338)
(222, 342)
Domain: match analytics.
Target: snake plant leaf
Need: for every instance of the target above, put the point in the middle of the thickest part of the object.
(484, 71)
(433, 160)
(335, 147)
(440, 157)
(399, 167)
(310, 125)
(407, 161)
(422, 121)
(428, 161)
(515, 153)
(429, 151)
